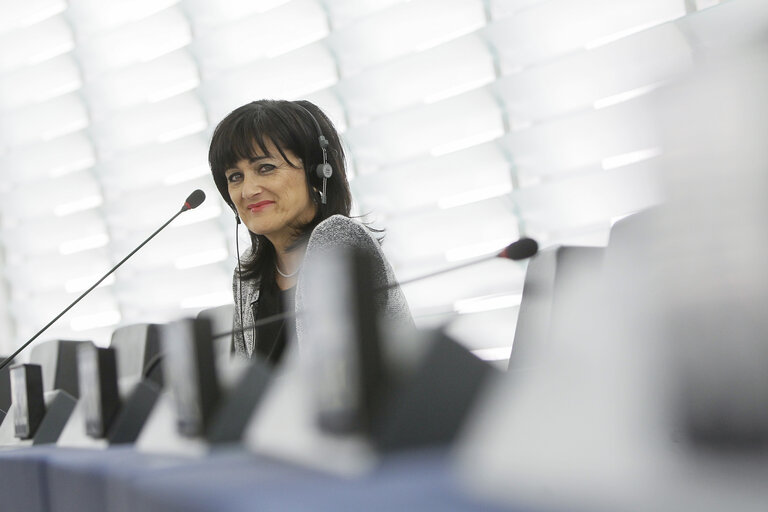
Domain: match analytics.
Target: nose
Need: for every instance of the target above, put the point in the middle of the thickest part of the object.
(251, 186)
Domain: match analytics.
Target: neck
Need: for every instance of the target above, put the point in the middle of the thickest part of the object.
(287, 261)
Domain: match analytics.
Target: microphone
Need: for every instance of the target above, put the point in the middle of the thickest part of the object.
(521, 249)
(193, 201)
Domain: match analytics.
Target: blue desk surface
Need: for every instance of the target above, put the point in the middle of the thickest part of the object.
(120, 479)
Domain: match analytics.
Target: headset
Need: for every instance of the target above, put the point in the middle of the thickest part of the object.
(323, 170)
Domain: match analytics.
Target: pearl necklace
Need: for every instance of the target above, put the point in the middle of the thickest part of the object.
(287, 276)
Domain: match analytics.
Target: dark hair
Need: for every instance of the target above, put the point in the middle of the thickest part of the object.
(289, 127)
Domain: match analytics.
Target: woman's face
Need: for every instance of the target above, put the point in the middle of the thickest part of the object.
(270, 194)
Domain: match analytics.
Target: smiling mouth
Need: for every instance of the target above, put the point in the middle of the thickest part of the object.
(257, 207)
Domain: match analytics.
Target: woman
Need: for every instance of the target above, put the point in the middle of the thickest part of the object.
(280, 166)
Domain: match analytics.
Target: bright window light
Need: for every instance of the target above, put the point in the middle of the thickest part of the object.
(474, 196)
(209, 300)
(80, 284)
(85, 203)
(51, 52)
(455, 91)
(84, 244)
(197, 215)
(614, 162)
(78, 165)
(493, 354)
(476, 250)
(182, 132)
(42, 14)
(201, 258)
(94, 321)
(64, 129)
(466, 142)
(602, 41)
(625, 96)
(172, 91)
(186, 175)
(487, 303)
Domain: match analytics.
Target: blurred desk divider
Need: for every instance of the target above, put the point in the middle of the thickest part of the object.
(557, 280)
(232, 388)
(138, 398)
(59, 406)
(5, 386)
(58, 359)
(58, 363)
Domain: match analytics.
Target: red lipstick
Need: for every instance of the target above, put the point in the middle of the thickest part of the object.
(257, 207)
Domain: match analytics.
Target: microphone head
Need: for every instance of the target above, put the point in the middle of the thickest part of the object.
(520, 250)
(194, 200)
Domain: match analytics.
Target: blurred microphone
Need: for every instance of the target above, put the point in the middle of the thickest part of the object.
(193, 201)
(519, 250)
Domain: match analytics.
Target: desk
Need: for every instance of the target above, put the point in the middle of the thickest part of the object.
(121, 479)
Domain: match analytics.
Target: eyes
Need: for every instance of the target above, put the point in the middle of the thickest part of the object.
(236, 176)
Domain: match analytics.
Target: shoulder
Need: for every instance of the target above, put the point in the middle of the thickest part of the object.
(340, 230)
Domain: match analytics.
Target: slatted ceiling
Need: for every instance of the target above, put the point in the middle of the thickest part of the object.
(170, 287)
(726, 27)
(296, 74)
(42, 159)
(260, 36)
(588, 199)
(174, 244)
(347, 12)
(21, 14)
(371, 40)
(557, 27)
(592, 139)
(441, 231)
(487, 278)
(136, 212)
(55, 197)
(34, 44)
(631, 65)
(149, 123)
(53, 232)
(207, 16)
(444, 181)
(152, 81)
(32, 311)
(35, 270)
(500, 9)
(457, 66)
(135, 42)
(44, 121)
(30, 85)
(156, 164)
(470, 119)
(330, 102)
(98, 16)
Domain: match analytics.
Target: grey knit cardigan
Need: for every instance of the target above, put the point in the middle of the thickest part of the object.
(334, 231)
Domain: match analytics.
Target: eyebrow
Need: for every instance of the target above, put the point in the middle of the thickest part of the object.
(250, 160)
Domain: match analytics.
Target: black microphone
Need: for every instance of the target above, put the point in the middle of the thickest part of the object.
(519, 250)
(193, 201)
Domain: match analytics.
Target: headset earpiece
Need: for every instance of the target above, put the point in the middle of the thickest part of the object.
(323, 170)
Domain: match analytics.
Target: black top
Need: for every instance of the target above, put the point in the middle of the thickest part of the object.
(272, 337)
